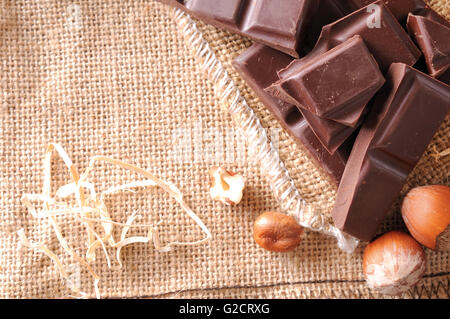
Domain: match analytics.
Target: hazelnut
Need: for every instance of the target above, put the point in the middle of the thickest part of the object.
(226, 187)
(426, 212)
(393, 263)
(277, 232)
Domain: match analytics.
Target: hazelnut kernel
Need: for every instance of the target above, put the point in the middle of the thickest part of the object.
(226, 187)
(277, 232)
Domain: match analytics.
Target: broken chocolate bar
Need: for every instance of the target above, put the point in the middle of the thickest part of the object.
(389, 43)
(337, 84)
(432, 34)
(383, 35)
(258, 65)
(281, 24)
(406, 114)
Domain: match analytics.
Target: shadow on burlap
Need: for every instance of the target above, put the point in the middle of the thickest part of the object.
(117, 80)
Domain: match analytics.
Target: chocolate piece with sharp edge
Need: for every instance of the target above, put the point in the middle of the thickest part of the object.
(387, 41)
(328, 12)
(258, 65)
(331, 134)
(445, 77)
(281, 24)
(432, 35)
(336, 85)
(406, 114)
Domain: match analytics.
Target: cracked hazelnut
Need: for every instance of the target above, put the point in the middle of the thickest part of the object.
(226, 187)
(277, 232)
(393, 263)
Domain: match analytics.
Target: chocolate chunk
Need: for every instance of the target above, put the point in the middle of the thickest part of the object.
(258, 65)
(281, 24)
(386, 40)
(406, 113)
(336, 85)
(330, 133)
(433, 37)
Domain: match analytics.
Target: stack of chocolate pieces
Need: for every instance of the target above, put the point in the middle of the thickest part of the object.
(363, 85)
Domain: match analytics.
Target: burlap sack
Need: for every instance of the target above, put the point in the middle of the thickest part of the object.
(117, 78)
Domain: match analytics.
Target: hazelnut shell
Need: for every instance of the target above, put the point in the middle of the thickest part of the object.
(426, 213)
(393, 263)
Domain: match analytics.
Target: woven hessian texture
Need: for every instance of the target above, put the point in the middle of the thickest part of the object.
(115, 78)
